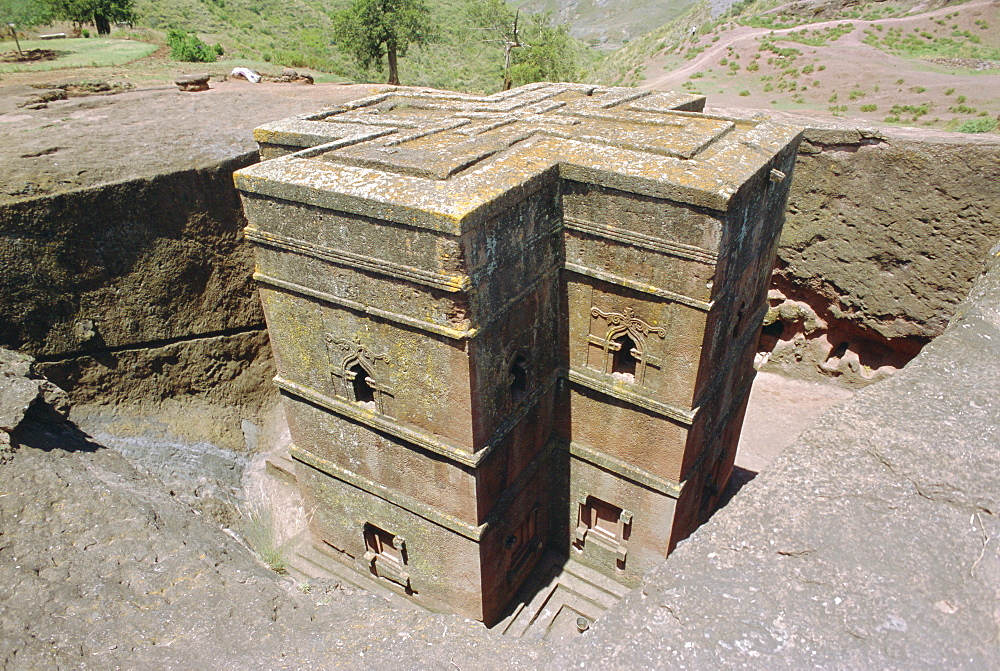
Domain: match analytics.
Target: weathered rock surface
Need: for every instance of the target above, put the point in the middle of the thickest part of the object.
(101, 568)
(869, 543)
(892, 230)
(884, 234)
(22, 389)
(193, 83)
(134, 291)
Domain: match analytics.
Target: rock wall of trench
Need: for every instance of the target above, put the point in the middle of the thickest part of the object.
(136, 297)
(884, 234)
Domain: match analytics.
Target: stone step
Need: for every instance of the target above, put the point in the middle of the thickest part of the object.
(568, 591)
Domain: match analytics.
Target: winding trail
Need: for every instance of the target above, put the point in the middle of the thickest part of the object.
(742, 35)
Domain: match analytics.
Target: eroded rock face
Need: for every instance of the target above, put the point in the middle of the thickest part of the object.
(23, 390)
(883, 236)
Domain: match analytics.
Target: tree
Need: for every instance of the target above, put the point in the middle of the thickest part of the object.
(375, 29)
(496, 17)
(24, 14)
(550, 57)
(100, 13)
(545, 52)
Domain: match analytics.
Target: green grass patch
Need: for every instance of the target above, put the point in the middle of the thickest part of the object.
(81, 52)
(984, 125)
(921, 44)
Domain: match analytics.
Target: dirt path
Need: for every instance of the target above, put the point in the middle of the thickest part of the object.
(743, 34)
(846, 77)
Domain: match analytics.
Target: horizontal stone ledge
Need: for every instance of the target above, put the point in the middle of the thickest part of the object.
(616, 391)
(624, 469)
(408, 503)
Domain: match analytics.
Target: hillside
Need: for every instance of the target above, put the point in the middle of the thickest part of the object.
(608, 24)
(298, 33)
(928, 64)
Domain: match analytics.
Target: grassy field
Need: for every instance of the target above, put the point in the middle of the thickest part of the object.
(79, 53)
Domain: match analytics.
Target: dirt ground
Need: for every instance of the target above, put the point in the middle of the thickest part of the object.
(780, 409)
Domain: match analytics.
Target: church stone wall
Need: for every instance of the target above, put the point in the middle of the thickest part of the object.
(514, 322)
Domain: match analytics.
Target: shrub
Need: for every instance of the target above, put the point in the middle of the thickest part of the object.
(984, 125)
(744, 93)
(85, 32)
(187, 47)
(869, 108)
(949, 92)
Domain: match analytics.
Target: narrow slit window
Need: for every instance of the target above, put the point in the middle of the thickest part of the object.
(518, 379)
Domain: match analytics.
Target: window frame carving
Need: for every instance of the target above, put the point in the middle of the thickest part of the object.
(626, 323)
(586, 530)
(345, 355)
(383, 564)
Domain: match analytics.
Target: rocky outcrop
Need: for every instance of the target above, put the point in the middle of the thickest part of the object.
(22, 391)
(869, 543)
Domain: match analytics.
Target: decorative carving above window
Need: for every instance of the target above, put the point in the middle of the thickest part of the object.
(353, 366)
(624, 344)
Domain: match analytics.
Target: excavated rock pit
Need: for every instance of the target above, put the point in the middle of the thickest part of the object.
(127, 278)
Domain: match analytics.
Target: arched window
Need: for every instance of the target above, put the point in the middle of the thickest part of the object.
(353, 367)
(624, 344)
(625, 357)
(364, 387)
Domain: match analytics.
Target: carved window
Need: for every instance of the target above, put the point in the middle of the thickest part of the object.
(518, 379)
(353, 367)
(364, 387)
(605, 525)
(386, 556)
(625, 344)
(625, 356)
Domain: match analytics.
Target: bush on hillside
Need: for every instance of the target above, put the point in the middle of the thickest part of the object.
(984, 125)
(185, 46)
